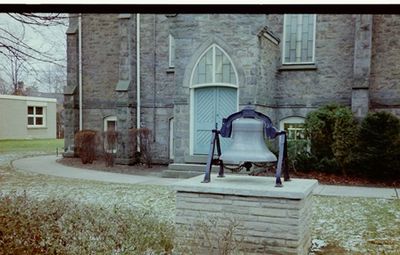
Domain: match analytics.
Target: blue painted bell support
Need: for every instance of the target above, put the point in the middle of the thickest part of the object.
(226, 131)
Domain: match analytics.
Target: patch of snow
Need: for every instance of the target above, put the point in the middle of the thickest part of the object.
(317, 244)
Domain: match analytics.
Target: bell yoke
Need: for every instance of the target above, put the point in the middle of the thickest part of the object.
(247, 128)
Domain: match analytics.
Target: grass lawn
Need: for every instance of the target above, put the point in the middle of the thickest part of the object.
(356, 225)
(34, 145)
(48, 215)
(42, 214)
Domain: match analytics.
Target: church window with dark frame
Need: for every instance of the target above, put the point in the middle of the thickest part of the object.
(299, 39)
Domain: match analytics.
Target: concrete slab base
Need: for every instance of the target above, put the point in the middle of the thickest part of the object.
(244, 212)
(179, 170)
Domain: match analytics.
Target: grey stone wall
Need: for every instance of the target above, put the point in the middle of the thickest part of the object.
(125, 94)
(300, 91)
(100, 63)
(109, 56)
(157, 83)
(385, 67)
(71, 114)
(237, 35)
(266, 86)
(100, 70)
(362, 65)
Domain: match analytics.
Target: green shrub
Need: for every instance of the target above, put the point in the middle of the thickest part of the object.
(332, 133)
(378, 150)
(305, 161)
(344, 138)
(319, 127)
(298, 155)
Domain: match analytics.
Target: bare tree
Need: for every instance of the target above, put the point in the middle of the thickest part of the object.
(14, 68)
(10, 44)
(3, 87)
(54, 78)
(19, 57)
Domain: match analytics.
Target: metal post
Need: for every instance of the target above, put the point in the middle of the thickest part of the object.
(207, 177)
(221, 163)
(282, 160)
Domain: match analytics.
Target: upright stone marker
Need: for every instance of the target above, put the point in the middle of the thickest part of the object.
(269, 220)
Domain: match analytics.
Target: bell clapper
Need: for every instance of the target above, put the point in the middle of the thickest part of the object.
(247, 165)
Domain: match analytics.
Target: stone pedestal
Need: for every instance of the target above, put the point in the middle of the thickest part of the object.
(244, 212)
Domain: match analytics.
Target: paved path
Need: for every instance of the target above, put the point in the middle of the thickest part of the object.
(48, 165)
(354, 191)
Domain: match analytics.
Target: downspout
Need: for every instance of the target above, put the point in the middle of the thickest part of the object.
(138, 78)
(155, 81)
(80, 68)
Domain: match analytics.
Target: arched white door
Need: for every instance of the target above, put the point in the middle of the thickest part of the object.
(214, 96)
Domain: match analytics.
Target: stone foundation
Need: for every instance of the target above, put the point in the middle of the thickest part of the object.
(263, 219)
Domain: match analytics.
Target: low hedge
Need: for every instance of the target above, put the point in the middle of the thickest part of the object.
(339, 144)
(378, 147)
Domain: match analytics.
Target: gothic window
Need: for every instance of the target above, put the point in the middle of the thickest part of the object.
(299, 38)
(214, 67)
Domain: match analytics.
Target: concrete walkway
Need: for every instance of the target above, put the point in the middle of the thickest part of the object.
(48, 165)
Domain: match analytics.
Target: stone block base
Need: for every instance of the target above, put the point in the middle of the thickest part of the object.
(244, 213)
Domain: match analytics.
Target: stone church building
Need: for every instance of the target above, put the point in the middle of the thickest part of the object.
(180, 74)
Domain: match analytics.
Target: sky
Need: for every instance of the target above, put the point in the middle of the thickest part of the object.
(49, 39)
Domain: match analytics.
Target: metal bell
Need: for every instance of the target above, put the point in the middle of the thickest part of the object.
(248, 143)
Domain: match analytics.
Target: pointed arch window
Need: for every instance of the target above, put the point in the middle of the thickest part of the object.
(214, 67)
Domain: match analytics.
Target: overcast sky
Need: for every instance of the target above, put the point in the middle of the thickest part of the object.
(50, 39)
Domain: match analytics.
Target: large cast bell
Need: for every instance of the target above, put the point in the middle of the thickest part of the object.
(248, 143)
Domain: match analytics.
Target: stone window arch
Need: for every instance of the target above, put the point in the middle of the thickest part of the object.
(214, 68)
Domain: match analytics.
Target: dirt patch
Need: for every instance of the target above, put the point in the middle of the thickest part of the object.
(325, 178)
(332, 179)
(100, 165)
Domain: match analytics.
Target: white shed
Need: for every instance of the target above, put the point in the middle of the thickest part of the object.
(23, 117)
